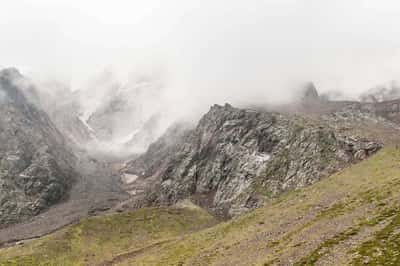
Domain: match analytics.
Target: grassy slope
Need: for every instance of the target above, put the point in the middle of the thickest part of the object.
(339, 220)
(348, 218)
(99, 239)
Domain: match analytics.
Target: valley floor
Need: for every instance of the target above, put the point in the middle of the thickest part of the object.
(97, 189)
(350, 218)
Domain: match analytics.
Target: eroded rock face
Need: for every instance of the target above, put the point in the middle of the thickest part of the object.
(235, 158)
(35, 166)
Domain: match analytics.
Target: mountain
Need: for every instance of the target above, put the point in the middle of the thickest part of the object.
(103, 120)
(127, 117)
(349, 218)
(62, 106)
(236, 158)
(309, 93)
(105, 116)
(310, 183)
(66, 113)
(36, 167)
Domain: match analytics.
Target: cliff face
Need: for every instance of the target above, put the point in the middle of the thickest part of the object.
(35, 165)
(66, 116)
(235, 158)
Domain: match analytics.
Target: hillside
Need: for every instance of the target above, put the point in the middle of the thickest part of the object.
(36, 165)
(199, 133)
(345, 219)
(105, 239)
(303, 184)
(236, 158)
(46, 181)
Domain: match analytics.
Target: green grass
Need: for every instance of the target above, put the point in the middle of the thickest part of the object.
(97, 239)
(323, 249)
(383, 248)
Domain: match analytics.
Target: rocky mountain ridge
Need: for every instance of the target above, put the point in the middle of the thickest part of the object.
(235, 158)
(280, 161)
(231, 162)
(36, 166)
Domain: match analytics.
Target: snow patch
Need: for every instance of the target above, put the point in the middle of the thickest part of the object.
(132, 192)
(129, 178)
(84, 121)
(13, 158)
(262, 157)
(129, 137)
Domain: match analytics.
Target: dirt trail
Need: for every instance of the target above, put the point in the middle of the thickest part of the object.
(129, 255)
(97, 190)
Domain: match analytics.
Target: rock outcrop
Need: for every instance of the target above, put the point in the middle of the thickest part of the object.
(36, 168)
(235, 158)
(310, 93)
(385, 92)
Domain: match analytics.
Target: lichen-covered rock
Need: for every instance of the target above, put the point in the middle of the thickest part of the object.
(35, 165)
(235, 158)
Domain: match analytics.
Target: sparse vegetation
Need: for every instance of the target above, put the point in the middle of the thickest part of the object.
(325, 246)
(384, 247)
(97, 239)
(306, 226)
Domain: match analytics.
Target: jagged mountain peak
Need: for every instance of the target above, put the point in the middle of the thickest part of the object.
(11, 72)
(17, 89)
(36, 167)
(234, 154)
(310, 92)
(8, 85)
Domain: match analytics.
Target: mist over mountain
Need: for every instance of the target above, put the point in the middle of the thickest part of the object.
(160, 61)
(112, 116)
(108, 115)
(209, 52)
(260, 132)
(36, 165)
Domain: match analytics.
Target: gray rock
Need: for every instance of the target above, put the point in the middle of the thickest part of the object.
(36, 168)
(236, 158)
(310, 93)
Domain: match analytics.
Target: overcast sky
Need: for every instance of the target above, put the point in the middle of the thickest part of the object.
(208, 47)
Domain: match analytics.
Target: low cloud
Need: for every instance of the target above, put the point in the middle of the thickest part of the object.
(201, 52)
(2, 97)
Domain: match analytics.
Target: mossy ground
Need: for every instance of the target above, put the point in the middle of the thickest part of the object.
(348, 218)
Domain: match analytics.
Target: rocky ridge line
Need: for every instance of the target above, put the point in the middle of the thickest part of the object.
(236, 158)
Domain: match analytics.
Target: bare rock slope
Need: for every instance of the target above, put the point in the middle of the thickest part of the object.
(36, 168)
(235, 158)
